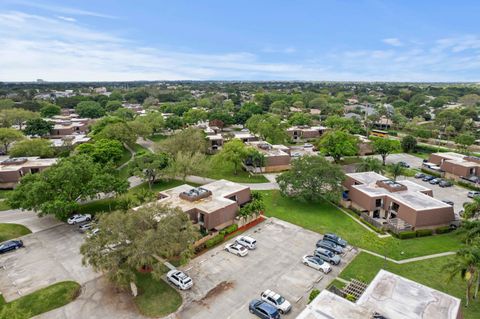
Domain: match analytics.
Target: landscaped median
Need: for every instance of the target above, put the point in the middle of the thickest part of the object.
(11, 231)
(325, 217)
(40, 301)
(156, 298)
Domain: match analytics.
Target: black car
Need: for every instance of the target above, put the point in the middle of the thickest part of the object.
(448, 202)
(404, 164)
(263, 310)
(330, 246)
(419, 175)
(427, 178)
(10, 245)
(335, 239)
(445, 183)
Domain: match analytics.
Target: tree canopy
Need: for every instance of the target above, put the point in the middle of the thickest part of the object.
(33, 147)
(8, 136)
(90, 109)
(269, 127)
(385, 147)
(338, 143)
(38, 127)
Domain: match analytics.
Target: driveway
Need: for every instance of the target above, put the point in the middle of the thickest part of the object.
(224, 284)
(456, 194)
(28, 219)
(50, 255)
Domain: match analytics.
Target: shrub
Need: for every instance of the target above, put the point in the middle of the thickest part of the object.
(431, 173)
(407, 234)
(443, 230)
(468, 185)
(228, 230)
(214, 240)
(314, 293)
(424, 232)
(392, 133)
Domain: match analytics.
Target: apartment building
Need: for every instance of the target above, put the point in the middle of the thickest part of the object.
(277, 157)
(455, 166)
(305, 133)
(13, 169)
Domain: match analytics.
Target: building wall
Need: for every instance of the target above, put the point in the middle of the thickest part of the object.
(280, 160)
(455, 169)
(243, 196)
(435, 159)
(221, 217)
(434, 217)
(363, 200)
(9, 176)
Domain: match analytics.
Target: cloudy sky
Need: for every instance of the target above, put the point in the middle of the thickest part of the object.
(352, 40)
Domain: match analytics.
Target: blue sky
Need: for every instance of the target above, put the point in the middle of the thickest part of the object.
(354, 40)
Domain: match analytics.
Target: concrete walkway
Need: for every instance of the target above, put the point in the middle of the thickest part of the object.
(148, 144)
(409, 260)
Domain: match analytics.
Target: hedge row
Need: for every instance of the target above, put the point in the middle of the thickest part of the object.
(214, 240)
(443, 230)
(228, 230)
(424, 232)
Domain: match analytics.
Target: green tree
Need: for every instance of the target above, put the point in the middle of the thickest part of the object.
(8, 136)
(234, 152)
(194, 116)
(112, 106)
(135, 239)
(38, 127)
(118, 131)
(385, 147)
(149, 166)
(16, 116)
(299, 118)
(124, 114)
(464, 141)
(396, 170)
(472, 209)
(269, 127)
(337, 143)
(409, 143)
(312, 178)
(341, 123)
(32, 147)
(470, 100)
(174, 122)
(154, 120)
(141, 127)
(370, 164)
(318, 103)
(90, 109)
(102, 151)
(6, 104)
(190, 141)
(49, 109)
(185, 163)
(58, 189)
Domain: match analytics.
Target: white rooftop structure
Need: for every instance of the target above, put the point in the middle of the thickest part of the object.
(17, 163)
(389, 296)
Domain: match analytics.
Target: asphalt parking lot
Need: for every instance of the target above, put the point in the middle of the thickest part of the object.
(412, 161)
(224, 283)
(456, 194)
(50, 255)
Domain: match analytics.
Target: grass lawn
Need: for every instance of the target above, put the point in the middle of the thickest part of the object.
(427, 272)
(224, 170)
(46, 299)
(324, 217)
(156, 298)
(139, 149)
(9, 231)
(157, 138)
(126, 155)
(4, 205)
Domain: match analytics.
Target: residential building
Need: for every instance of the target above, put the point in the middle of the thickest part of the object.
(13, 169)
(365, 146)
(455, 166)
(305, 133)
(69, 140)
(277, 157)
(387, 296)
(64, 125)
(397, 205)
(244, 136)
(212, 206)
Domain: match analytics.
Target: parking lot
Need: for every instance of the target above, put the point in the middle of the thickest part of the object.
(224, 283)
(456, 194)
(50, 255)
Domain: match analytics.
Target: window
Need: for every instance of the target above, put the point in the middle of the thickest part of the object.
(234, 198)
(395, 207)
(34, 170)
(378, 202)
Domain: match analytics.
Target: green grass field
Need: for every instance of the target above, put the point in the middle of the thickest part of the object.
(427, 272)
(324, 217)
(156, 298)
(43, 300)
(157, 138)
(224, 170)
(10, 231)
(4, 205)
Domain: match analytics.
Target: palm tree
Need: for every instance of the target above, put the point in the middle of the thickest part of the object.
(370, 164)
(466, 264)
(472, 209)
(396, 170)
(471, 231)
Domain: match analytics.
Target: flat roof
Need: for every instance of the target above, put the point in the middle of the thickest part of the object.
(241, 135)
(307, 128)
(412, 197)
(269, 150)
(389, 295)
(450, 155)
(215, 137)
(29, 162)
(220, 190)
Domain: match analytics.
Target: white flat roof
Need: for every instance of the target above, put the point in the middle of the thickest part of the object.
(30, 162)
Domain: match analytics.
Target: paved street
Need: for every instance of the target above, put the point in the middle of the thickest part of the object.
(28, 219)
(224, 283)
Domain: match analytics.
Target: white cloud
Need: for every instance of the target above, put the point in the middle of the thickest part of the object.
(393, 41)
(61, 9)
(69, 19)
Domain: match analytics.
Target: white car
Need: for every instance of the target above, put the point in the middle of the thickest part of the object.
(246, 241)
(180, 279)
(276, 300)
(316, 263)
(472, 194)
(93, 232)
(236, 249)
(79, 218)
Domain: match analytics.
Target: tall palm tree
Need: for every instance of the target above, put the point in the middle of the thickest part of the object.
(470, 230)
(395, 170)
(370, 164)
(472, 209)
(466, 264)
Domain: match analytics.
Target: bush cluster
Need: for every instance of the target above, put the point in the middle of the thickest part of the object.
(443, 230)
(407, 234)
(314, 293)
(214, 240)
(228, 230)
(424, 232)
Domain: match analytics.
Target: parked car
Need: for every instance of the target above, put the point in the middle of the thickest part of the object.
(419, 175)
(445, 183)
(247, 242)
(276, 300)
(335, 239)
(79, 218)
(472, 194)
(316, 263)
(427, 178)
(83, 228)
(307, 145)
(263, 310)
(236, 249)
(93, 232)
(180, 279)
(10, 245)
(330, 246)
(449, 202)
(327, 256)
(404, 164)
(296, 154)
(435, 181)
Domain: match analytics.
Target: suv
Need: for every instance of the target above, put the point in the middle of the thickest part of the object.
(276, 300)
(79, 218)
(247, 242)
(10, 245)
(419, 175)
(335, 239)
(179, 279)
(330, 246)
(263, 310)
(472, 194)
(327, 256)
(236, 249)
(445, 183)
(316, 263)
